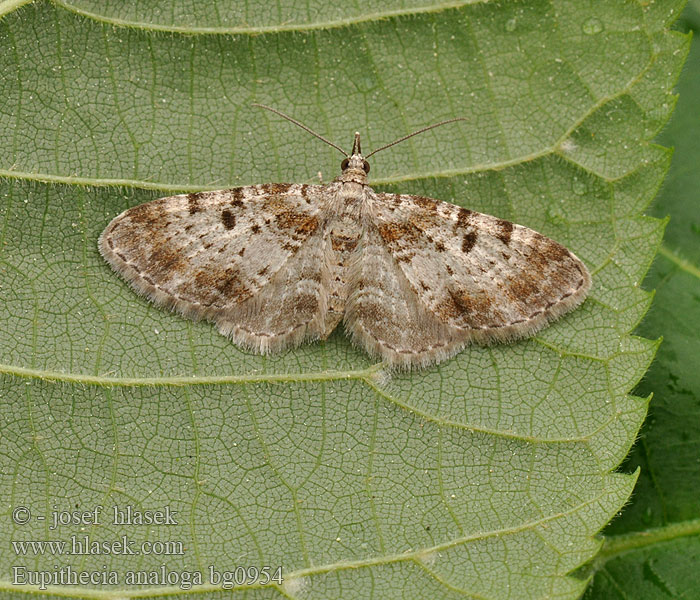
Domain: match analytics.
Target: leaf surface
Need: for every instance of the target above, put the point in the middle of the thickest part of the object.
(485, 477)
(189, 16)
(652, 550)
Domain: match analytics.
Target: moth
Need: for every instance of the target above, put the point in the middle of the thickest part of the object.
(413, 279)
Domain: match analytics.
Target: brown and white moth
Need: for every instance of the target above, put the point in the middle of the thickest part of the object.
(412, 278)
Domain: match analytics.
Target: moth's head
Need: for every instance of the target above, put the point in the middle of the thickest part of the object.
(355, 162)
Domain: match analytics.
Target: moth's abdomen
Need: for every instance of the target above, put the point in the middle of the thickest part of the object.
(342, 245)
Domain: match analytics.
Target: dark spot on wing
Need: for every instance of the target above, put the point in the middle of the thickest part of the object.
(447, 309)
(553, 251)
(464, 217)
(449, 270)
(305, 193)
(425, 219)
(275, 188)
(468, 241)
(237, 201)
(397, 232)
(145, 214)
(241, 252)
(193, 202)
(475, 309)
(426, 203)
(255, 228)
(504, 230)
(163, 261)
(299, 223)
(439, 246)
(227, 283)
(262, 271)
(307, 226)
(524, 287)
(228, 219)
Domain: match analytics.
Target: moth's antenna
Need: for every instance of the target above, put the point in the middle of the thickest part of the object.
(410, 135)
(304, 127)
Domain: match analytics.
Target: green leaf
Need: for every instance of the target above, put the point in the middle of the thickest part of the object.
(248, 17)
(487, 476)
(653, 549)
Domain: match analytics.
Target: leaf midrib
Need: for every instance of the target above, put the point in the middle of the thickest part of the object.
(279, 28)
(613, 547)
(419, 557)
(555, 148)
(371, 377)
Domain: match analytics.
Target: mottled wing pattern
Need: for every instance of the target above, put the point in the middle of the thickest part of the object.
(221, 255)
(289, 310)
(386, 317)
(478, 274)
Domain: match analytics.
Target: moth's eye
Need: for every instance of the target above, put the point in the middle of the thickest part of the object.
(365, 166)
(344, 164)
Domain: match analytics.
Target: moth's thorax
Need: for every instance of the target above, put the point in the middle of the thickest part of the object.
(357, 176)
(346, 199)
(351, 191)
(344, 219)
(347, 203)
